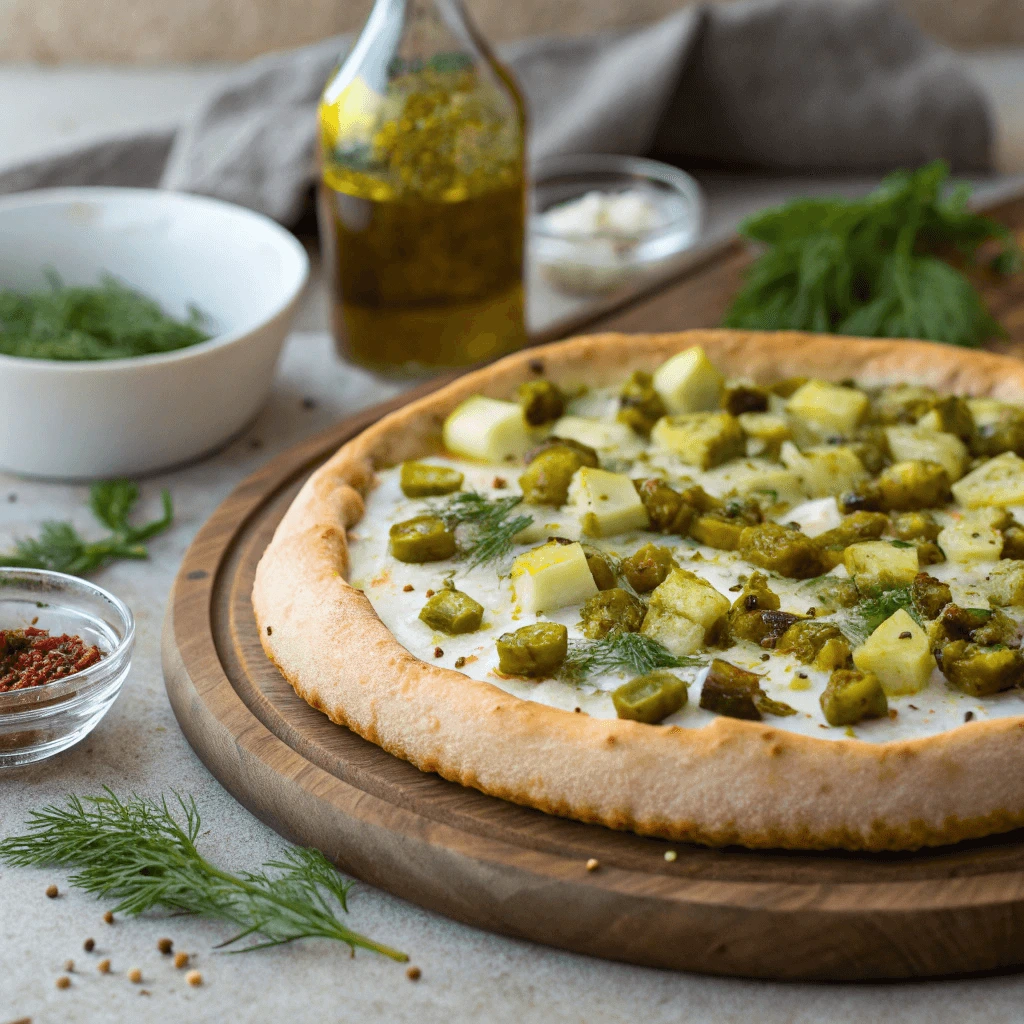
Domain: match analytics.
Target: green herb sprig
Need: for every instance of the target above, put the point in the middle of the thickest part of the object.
(62, 548)
(860, 621)
(486, 527)
(137, 852)
(870, 266)
(616, 652)
(111, 321)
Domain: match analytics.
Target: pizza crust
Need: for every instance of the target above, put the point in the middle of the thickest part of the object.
(729, 782)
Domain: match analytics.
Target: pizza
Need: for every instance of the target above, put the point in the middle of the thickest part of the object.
(715, 586)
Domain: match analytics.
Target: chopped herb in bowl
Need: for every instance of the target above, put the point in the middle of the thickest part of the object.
(74, 323)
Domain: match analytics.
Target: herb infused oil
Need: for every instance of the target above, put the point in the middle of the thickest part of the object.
(422, 194)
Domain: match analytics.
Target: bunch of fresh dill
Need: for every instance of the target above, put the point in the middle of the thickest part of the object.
(75, 323)
(62, 548)
(486, 528)
(619, 651)
(138, 853)
(871, 267)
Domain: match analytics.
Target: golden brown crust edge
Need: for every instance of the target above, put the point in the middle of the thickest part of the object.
(729, 782)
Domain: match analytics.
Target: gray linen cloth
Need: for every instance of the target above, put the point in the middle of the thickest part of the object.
(782, 85)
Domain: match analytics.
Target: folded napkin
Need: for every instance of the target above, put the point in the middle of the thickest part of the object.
(785, 85)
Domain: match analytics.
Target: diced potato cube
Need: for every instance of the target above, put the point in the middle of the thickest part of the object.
(829, 407)
(918, 444)
(552, 576)
(986, 411)
(701, 439)
(604, 436)
(487, 429)
(826, 471)
(683, 610)
(1000, 481)
(607, 503)
(689, 383)
(877, 563)
(1004, 583)
(547, 522)
(755, 476)
(765, 431)
(974, 538)
(898, 653)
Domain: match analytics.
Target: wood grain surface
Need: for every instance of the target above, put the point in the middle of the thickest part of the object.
(766, 914)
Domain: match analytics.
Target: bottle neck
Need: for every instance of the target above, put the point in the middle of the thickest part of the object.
(422, 24)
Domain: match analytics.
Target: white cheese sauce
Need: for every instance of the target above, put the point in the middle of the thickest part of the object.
(397, 591)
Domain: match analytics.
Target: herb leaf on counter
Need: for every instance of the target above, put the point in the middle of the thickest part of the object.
(486, 527)
(137, 852)
(61, 548)
(869, 266)
(617, 651)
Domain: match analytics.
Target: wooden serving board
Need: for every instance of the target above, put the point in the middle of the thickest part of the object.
(523, 873)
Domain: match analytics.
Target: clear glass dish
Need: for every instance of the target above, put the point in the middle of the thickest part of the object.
(603, 261)
(40, 721)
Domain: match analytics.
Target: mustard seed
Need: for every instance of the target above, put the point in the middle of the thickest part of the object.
(63, 981)
(108, 917)
(89, 945)
(181, 960)
(52, 891)
(103, 967)
(165, 946)
(593, 864)
(194, 978)
(69, 966)
(413, 973)
(135, 976)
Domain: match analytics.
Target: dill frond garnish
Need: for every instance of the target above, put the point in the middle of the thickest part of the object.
(860, 621)
(485, 527)
(61, 548)
(617, 651)
(74, 323)
(137, 852)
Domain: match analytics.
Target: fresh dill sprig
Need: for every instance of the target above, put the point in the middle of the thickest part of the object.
(75, 323)
(62, 548)
(617, 651)
(860, 621)
(137, 852)
(485, 527)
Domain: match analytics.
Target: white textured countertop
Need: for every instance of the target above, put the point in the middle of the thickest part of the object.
(468, 975)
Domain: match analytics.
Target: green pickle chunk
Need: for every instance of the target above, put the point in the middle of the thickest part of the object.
(541, 402)
(546, 480)
(534, 651)
(851, 696)
(452, 611)
(419, 480)
(614, 609)
(650, 698)
(600, 568)
(647, 567)
(731, 691)
(981, 671)
(640, 406)
(422, 539)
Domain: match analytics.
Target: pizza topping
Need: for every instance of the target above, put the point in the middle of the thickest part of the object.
(981, 671)
(607, 503)
(486, 529)
(879, 565)
(600, 568)
(419, 480)
(647, 567)
(487, 429)
(533, 651)
(549, 474)
(552, 576)
(805, 639)
(614, 609)
(700, 439)
(541, 401)
(731, 691)
(650, 698)
(929, 595)
(829, 408)
(903, 666)
(688, 382)
(422, 539)
(451, 611)
(684, 612)
(779, 549)
(851, 695)
(640, 405)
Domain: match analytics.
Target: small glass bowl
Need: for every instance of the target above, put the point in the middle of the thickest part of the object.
(601, 262)
(40, 721)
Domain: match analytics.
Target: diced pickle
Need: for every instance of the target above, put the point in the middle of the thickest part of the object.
(930, 595)
(718, 532)
(788, 387)
(541, 401)
(1003, 432)
(767, 706)
(806, 638)
(850, 696)
(747, 618)
(951, 415)
(422, 539)
(418, 480)
(743, 399)
(667, 509)
(640, 406)
(452, 611)
(982, 626)
(600, 569)
(903, 403)
(778, 549)
(834, 653)
(546, 479)
(647, 567)
(915, 526)
(614, 609)
(731, 691)
(534, 651)
(855, 527)
(701, 439)
(835, 592)
(1013, 542)
(650, 698)
(588, 456)
(905, 486)
(981, 671)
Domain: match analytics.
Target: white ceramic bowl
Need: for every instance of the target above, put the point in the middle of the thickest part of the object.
(124, 417)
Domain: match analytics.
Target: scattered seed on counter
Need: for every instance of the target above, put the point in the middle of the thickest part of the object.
(108, 917)
(413, 973)
(89, 945)
(194, 978)
(69, 966)
(103, 967)
(593, 864)
(63, 981)
(181, 959)
(165, 946)
(52, 891)
(135, 976)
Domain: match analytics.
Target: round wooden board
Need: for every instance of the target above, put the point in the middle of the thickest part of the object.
(509, 869)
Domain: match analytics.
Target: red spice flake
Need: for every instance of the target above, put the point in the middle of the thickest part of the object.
(31, 657)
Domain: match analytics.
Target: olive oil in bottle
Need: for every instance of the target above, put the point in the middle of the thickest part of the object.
(422, 194)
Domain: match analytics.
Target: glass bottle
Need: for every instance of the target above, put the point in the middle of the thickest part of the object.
(422, 194)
